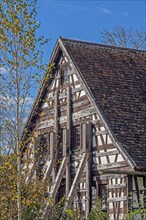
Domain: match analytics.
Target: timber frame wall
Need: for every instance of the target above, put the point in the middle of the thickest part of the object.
(78, 148)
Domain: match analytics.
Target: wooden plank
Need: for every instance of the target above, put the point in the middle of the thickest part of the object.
(107, 176)
(110, 165)
(64, 108)
(116, 186)
(81, 190)
(56, 113)
(64, 142)
(83, 113)
(106, 153)
(74, 90)
(51, 145)
(48, 169)
(63, 119)
(116, 199)
(101, 132)
(119, 202)
(63, 95)
(84, 137)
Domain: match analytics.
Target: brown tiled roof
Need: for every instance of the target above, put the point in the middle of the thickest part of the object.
(117, 79)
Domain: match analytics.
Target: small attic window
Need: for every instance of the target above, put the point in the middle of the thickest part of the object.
(64, 76)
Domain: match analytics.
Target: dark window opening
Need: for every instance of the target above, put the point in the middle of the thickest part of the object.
(103, 196)
(76, 138)
(60, 143)
(64, 76)
(59, 149)
(41, 156)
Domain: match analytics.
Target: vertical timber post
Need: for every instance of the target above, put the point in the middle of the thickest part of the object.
(55, 136)
(88, 167)
(68, 140)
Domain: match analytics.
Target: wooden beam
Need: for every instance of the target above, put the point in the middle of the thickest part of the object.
(51, 145)
(55, 135)
(68, 141)
(56, 113)
(132, 173)
(55, 187)
(106, 153)
(116, 199)
(59, 177)
(116, 186)
(63, 95)
(47, 172)
(88, 145)
(63, 119)
(109, 165)
(76, 180)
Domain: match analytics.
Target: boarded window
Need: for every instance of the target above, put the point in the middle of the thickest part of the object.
(76, 138)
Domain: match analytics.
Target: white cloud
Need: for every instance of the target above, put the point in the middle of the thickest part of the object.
(125, 13)
(104, 10)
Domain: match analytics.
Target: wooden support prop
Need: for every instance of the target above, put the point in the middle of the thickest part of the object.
(88, 145)
(59, 177)
(76, 180)
(51, 145)
(48, 170)
(55, 135)
(55, 186)
(56, 113)
(68, 140)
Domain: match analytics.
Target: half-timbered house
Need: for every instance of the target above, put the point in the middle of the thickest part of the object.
(89, 124)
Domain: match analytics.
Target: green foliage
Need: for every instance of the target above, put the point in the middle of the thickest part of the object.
(73, 214)
(55, 211)
(32, 194)
(22, 67)
(96, 213)
(139, 212)
(21, 74)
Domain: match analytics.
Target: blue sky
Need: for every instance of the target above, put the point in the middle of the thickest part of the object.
(85, 19)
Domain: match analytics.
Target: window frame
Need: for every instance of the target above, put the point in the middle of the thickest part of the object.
(64, 75)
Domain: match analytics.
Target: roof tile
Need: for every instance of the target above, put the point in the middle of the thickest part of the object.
(117, 79)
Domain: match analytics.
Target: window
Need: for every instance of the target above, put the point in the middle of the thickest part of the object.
(64, 76)
(76, 138)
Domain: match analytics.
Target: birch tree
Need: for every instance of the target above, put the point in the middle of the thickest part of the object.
(21, 72)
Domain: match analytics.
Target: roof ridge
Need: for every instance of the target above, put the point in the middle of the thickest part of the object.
(102, 45)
